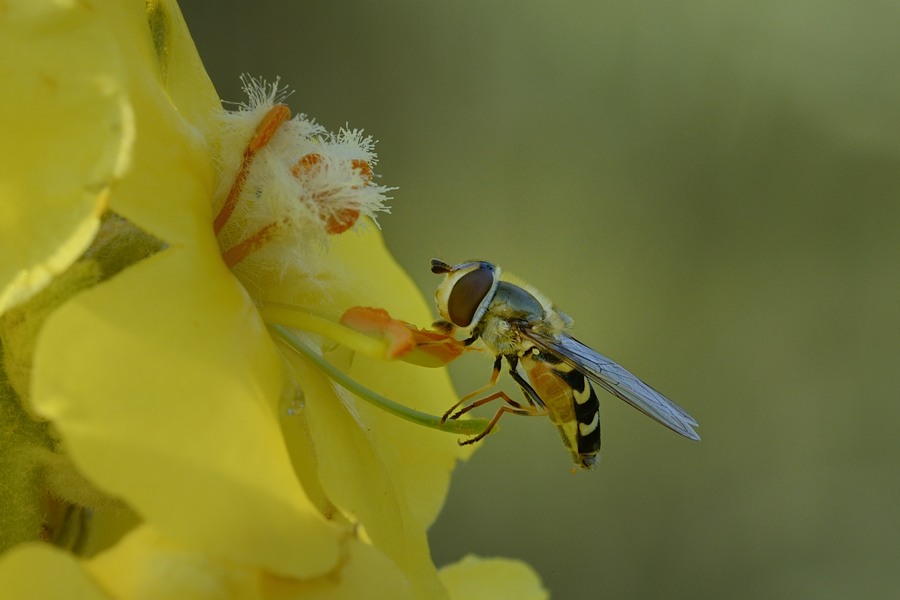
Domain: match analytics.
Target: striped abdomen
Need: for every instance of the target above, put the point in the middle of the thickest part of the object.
(571, 403)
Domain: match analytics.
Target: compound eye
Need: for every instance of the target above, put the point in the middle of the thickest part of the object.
(467, 295)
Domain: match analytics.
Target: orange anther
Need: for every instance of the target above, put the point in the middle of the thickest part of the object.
(341, 221)
(434, 349)
(306, 162)
(405, 341)
(377, 322)
(363, 167)
(344, 218)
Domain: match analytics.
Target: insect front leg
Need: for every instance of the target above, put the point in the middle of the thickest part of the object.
(448, 328)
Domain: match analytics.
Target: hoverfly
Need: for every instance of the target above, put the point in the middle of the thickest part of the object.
(519, 324)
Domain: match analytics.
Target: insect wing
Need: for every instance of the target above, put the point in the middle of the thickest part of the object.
(617, 380)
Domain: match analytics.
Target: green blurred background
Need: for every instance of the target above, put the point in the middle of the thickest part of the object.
(711, 190)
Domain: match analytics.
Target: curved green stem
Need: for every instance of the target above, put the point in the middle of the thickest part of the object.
(461, 427)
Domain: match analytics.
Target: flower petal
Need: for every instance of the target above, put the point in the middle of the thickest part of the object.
(163, 382)
(364, 573)
(168, 189)
(67, 128)
(419, 459)
(357, 477)
(474, 578)
(358, 270)
(144, 564)
(147, 565)
(40, 571)
(389, 474)
(180, 68)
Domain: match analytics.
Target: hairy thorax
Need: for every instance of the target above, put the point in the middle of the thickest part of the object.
(511, 309)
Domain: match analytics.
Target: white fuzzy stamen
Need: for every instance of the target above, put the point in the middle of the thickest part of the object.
(307, 181)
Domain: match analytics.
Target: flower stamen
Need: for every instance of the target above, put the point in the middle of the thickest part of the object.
(342, 219)
(236, 254)
(270, 123)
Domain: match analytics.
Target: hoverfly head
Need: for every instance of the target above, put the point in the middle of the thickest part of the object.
(465, 293)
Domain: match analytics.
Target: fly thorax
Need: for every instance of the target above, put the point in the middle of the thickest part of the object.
(516, 304)
(510, 309)
(499, 335)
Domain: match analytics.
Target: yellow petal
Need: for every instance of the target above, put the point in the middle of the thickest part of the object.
(389, 474)
(164, 384)
(359, 271)
(40, 571)
(67, 130)
(474, 578)
(356, 474)
(144, 564)
(180, 68)
(168, 189)
(419, 459)
(147, 565)
(367, 270)
(364, 573)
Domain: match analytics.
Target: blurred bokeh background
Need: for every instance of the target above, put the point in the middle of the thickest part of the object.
(711, 190)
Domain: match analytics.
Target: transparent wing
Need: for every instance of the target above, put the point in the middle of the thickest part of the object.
(616, 380)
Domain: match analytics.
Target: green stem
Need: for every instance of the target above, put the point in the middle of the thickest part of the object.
(462, 427)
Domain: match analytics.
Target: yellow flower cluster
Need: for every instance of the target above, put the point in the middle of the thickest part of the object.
(152, 428)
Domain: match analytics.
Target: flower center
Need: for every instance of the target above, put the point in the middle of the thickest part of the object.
(294, 183)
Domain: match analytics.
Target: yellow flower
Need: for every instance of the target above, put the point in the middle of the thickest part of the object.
(144, 397)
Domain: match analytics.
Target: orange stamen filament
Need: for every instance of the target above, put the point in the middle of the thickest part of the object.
(236, 254)
(270, 123)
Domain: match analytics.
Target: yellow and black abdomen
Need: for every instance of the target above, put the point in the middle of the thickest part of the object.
(571, 403)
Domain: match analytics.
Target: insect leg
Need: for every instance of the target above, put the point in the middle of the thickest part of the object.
(495, 396)
(529, 412)
(494, 375)
(447, 329)
(530, 394)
